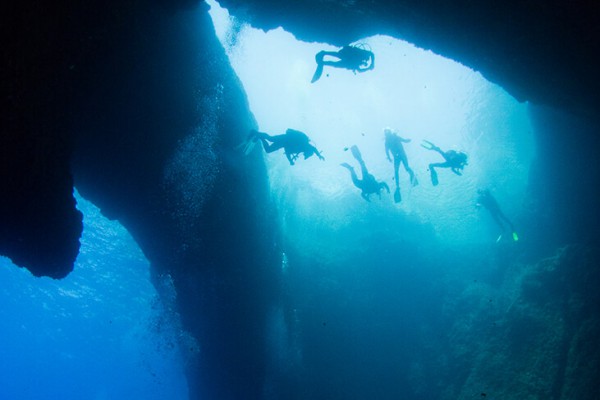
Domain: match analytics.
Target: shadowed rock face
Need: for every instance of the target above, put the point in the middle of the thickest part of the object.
(39, 225)
(156, 132)
(538, 51)
(140, 108)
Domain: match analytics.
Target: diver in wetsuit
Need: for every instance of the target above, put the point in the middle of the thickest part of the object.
(488, 201)
(293, 143)
(455, 160)
(393, 145)
(368, 184)
(355, 58)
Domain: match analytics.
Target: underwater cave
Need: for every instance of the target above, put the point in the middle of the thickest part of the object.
(257, 279)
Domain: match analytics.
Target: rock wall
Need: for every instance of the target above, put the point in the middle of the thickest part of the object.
(138, 105)
(155, 149)
(540, 328)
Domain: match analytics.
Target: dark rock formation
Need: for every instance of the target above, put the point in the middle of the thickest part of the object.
(39, 225)
(139, 106)
(155, 148)
(538, 51)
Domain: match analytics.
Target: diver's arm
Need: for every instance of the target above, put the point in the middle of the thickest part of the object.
(372, 65)
(404, 140)
(387, 151)
(290, 158)
(456, 171)
(365, 196)
(318, 153)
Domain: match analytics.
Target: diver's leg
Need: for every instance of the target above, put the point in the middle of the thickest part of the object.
(384, 185)
(434, 176)
(440, 165)
(430, 146)
(504, 223)
(411, 173)
(504, 218)
(319, 70)
(363, 169)
(264, 137)
(269, 148)
(397, 195)
(277, 141)
(317, 74)
(356, 153)
(353, 175)
(320, 59)
(337, 64)
(498, 220)
(396, 168)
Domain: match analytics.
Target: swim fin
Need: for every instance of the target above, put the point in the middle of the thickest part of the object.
(356, 153)
(414, 181)
(397, 197)
(247, 145)
(427, 145)
(434, 177)
(250, 146)
(317, 74)
(515, 236)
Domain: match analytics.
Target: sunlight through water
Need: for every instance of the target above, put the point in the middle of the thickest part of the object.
(419, 94)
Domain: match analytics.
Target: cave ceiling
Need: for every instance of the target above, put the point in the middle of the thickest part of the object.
(539, 51)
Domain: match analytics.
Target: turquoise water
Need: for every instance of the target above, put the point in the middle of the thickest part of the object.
(419, 94)
(388, 300)
(101, 333)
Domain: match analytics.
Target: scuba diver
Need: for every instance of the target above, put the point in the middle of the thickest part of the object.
(393, 145)
(293, 143)
(353, 57)
(368, 185)
(455, 160)
(488, 201)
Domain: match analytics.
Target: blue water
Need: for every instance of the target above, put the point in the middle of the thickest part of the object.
(101, 333)
(379, 299)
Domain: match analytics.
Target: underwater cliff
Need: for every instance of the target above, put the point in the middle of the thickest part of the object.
(283, 282)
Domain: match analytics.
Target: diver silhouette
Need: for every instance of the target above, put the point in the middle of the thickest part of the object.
(356, 58)
(292, 141)
(455, 160)
(393, 145)
(368, 184)
(487, 200)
